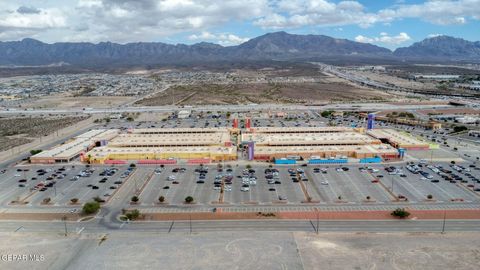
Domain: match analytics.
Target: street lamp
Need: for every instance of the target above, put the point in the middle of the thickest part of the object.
(64, 218)
(444, 220)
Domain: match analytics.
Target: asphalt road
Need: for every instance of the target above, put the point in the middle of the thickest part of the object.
(99, 226)
(231, 108)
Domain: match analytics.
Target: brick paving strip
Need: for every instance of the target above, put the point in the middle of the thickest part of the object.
(220, 215)
(322, 215)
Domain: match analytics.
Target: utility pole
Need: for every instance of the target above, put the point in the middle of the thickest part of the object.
(318, 219)
(392, 184)
(190, 223)
(64, 218)
(444, 220)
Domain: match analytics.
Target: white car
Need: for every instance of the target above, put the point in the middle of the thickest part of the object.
(245, 188)
(171, 178)
(158, 171)
(423, 178)
(17, 175)
(339, 170)
(217, 188)
(324, 183)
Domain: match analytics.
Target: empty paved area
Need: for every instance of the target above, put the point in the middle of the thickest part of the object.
(243, 250)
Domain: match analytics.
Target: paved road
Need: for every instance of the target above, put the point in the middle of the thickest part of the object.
(231, 108)
(99, 226)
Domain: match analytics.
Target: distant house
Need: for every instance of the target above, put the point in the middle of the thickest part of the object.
(435, 77)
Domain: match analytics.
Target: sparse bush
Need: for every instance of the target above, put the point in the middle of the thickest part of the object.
(161, 199)
(74, 200)
(400, 213)
(47, 200)
(35, 151)
(98, 199)
(189, 199)
(133, 215)
(90, 207)
(429, 196)
(135, 199)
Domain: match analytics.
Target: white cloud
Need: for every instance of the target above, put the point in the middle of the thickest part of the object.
(442, 12)
(89, 3)
(151, 20)
(222, 39)
(434, 35)
(316, 12)
(364, 39)
(385, 39)
(40, 19)
(298, 13)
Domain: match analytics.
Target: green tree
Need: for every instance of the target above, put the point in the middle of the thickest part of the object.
(135, 199)
(189, 199)
(459, 128)
(133, 215)
(161, 199)
(326, 114)
(35, 151)
(90, 207)
(400, 213)
(98, 199)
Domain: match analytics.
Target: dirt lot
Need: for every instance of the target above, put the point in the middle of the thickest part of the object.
(240, 250)
(21, 130)
(389, 251)
(262, 93)
(60, 102)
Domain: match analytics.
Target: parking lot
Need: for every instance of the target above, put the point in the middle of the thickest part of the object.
(354, 184)
(40, 185)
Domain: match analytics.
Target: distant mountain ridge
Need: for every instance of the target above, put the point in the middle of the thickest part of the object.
(441, 47)
(272, 46)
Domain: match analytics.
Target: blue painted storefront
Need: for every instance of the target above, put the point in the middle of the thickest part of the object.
(285, 161)
(371, 160)
(327, 161)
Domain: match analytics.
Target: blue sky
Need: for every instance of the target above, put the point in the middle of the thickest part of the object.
(391, 24)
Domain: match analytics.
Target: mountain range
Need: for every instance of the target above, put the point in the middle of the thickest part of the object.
(272, 46)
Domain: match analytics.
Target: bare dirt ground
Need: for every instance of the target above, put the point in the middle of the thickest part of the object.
(61, 102)
(16, 131)
(240, 250)
(263, 93)
(398, 81)
(459, 111)
(389, 251)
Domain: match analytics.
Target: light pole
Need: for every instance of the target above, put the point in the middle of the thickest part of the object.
(392, 183)
(190, 223)
(444, 220)
(64, 218)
